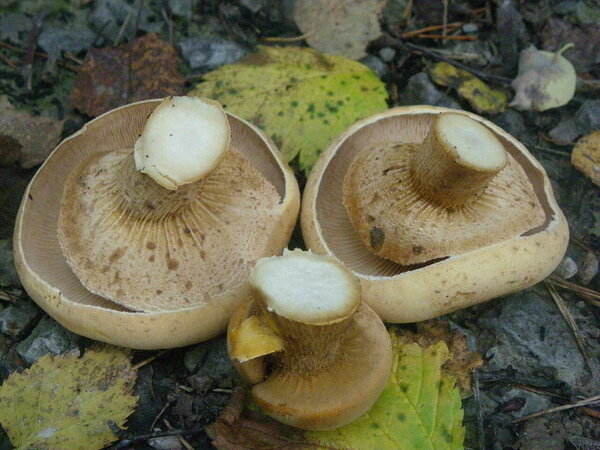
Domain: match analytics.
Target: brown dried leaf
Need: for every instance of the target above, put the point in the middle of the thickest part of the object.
(104, 79)
(339, 28)
(586, 156)
(25, 140)
(238, 427)
(463, 360)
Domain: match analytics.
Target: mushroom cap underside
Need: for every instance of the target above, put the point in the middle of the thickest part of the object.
(401, 293)
(333, 395)
(52, 284)
(398, 223)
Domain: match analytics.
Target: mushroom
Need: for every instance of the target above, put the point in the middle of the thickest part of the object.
(434, 210)
(141, 229)
(330, 354)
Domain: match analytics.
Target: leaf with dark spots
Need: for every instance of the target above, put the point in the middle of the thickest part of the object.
(110, 77)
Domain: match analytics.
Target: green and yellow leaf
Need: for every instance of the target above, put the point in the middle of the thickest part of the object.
(301, 98)
(69, 402)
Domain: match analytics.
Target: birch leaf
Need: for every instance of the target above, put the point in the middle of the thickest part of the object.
(69, 402)
(302, 99)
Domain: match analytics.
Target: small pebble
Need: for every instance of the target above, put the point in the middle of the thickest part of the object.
(165, 443)
(387, 54)
(589, 267)
(470, 28)
(567, 268)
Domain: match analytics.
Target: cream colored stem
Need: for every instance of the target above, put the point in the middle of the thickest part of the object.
(441, 175)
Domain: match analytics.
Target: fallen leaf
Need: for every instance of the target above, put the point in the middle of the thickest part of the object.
(110, 77)
(463, 361)
(69, 402)
(545, 80)
(420, 408)
(301, 98)
(482, 98)
(25, 140)
(586, 156)
(252, 339)
(340, 28)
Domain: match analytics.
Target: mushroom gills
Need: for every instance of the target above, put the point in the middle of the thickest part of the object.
(337, 353)
(456, 191)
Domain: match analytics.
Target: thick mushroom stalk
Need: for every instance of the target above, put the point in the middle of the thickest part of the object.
(457, 160)
(336, 353)
(183, 141)
(455, 191)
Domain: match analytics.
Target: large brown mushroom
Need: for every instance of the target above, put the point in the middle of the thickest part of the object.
(151, 247)
(434, 210)
(328, 355)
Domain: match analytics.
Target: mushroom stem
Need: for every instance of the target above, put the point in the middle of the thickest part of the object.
(184, 139)
(456, 161)
(309, 313)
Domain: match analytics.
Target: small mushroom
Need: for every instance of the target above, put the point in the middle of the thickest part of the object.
(334, 356)
(141, 229)
(434, 210)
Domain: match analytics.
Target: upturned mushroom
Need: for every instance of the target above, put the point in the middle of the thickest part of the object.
(434, 210)
(317, 356)
(141, 229)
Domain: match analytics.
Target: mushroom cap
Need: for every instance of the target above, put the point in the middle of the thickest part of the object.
(325, 399)
(399, 223)
(400, 293)
(50, 281)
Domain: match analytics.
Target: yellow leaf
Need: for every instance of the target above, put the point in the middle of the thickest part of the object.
(69, 402)
(480, 96)
(252, 339)
(301, 98)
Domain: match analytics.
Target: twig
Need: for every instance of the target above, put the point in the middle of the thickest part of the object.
(564, 310)
(223, 391)
(583, 245)
(129, 62)
(287, 39)
(122, 29)
(447, 37)
(168, 16)
(587, 401)
(161, 412)
(8, 61)
(388, 41)
(4, 295)
(30, 55)
(574, 287)
(40, 54)
(412, 33)
(148, 360)
(445, 21)
(183, 440)
(477, 394)
(551, 151)
(589, 411)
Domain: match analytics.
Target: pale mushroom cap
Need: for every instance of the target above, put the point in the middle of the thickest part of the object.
(48, 279)
(306, 287)
(472, 143)
(183, 140)
(408, 294)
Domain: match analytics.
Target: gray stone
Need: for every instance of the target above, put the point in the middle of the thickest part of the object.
(387, 54)
(47, 336)
(19, 318)
(375, 64)
(8, 271)
(165, 443)
(567, 268)
(587, 117)
(200, 383)
(470, 28)
(421, 91)
(209, 53)
(512, 122)
(565, 131)
(589, 267)
(253, 5)
(181, 8)
(526, 331)
(210, 359)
